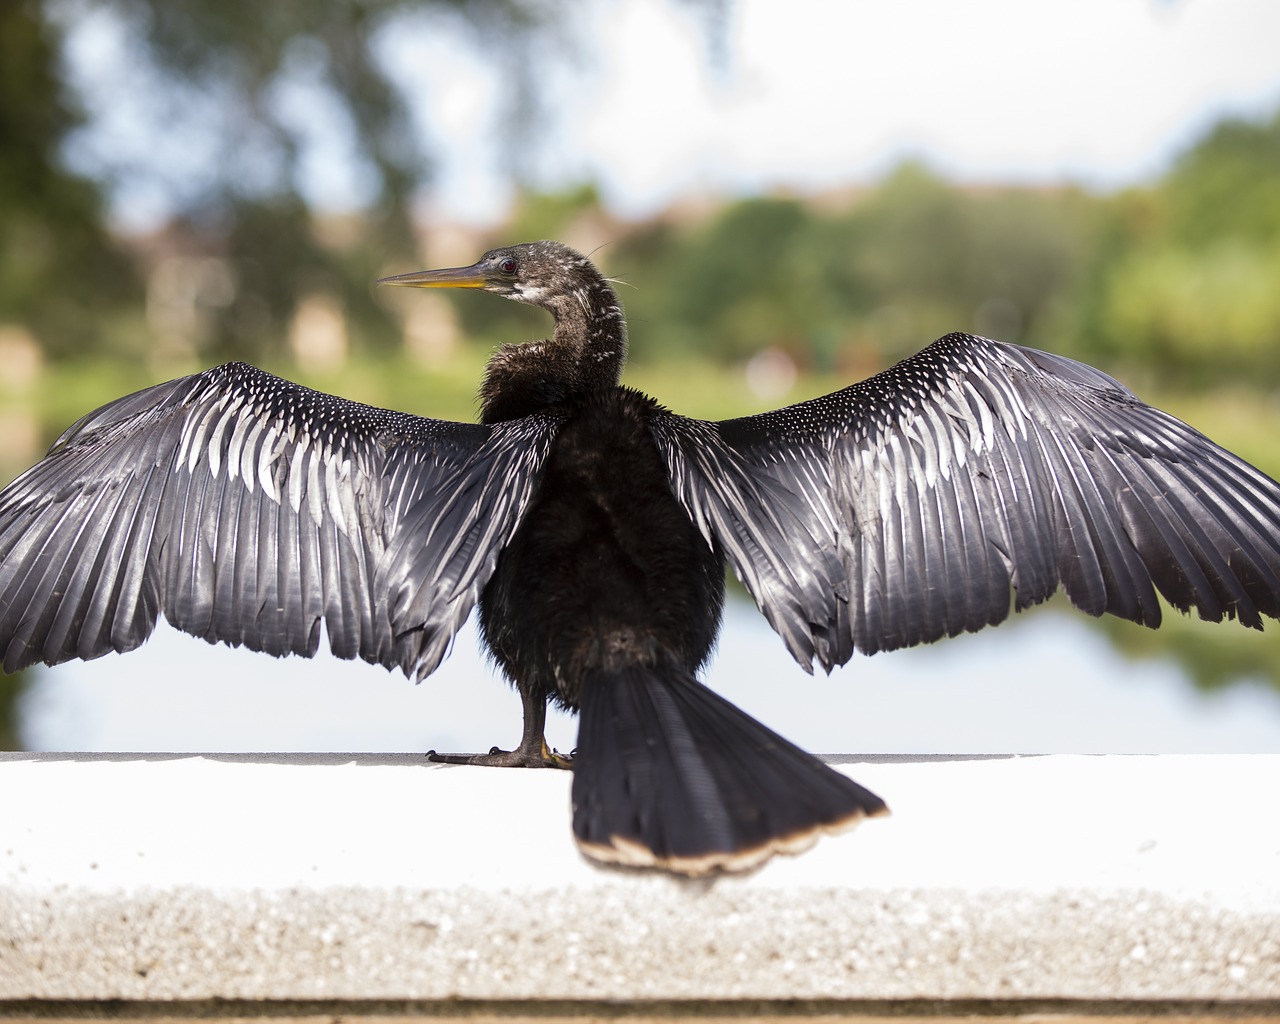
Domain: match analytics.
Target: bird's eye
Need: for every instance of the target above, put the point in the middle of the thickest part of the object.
(507, 265)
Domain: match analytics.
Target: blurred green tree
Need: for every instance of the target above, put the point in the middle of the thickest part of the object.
(61, 275)
(248, 58)
(1227, 185)
(736, 287)
(1186, 283)
(245, 89)
(936, 258)
(899, 265)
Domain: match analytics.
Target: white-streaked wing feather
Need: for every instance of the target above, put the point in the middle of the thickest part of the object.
(927, 500)
(250, 510)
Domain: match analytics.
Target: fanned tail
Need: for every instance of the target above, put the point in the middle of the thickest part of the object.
(670, 774)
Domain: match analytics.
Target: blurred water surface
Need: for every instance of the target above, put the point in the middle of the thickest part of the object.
(1044, 683)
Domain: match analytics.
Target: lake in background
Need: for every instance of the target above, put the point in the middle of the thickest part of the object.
(1047, 682)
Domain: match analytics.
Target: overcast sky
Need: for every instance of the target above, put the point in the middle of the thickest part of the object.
(812, 94)
(660, 99)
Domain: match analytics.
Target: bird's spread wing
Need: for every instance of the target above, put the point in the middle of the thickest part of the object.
(905, 508)
(251, 510)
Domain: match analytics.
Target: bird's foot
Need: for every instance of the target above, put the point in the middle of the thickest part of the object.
(534, 755)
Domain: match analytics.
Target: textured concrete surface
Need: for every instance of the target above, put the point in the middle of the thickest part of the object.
(361, 877)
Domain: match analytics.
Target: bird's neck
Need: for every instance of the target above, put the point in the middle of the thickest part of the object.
(585, 353)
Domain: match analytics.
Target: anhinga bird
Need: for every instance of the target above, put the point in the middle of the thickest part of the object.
(592, 526)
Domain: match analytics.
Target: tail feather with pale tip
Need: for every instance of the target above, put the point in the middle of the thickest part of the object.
(670, 774)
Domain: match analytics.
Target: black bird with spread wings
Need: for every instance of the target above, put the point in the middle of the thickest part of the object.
(592, 527)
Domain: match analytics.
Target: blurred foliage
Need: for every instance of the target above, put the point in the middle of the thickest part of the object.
(60, 270)
(245, 53)
(1211, 654)
(1174, 283)
(1171, 283)
(866, 283)
(12, 688)
(221, 73)
(1186, 278)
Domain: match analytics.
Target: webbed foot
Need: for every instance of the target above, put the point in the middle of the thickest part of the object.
(527, 755)
(532, 752)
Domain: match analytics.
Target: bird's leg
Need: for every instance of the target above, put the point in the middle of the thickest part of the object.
(533, 751)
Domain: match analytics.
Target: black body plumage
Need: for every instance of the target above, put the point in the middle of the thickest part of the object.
(592, 527)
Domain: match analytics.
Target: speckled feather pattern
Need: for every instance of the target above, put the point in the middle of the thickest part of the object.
(248, 509)
(974, 477)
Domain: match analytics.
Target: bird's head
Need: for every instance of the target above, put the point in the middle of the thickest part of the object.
(536, 273)
(589, 345)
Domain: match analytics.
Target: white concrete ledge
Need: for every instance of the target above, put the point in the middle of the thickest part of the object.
(341, 880)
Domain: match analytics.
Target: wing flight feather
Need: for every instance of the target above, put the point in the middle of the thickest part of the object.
(251, 510)
(969, 478)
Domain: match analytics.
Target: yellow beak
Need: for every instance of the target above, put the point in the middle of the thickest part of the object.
(456, 277)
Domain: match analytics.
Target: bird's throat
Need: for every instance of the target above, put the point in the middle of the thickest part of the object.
(586, 353)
